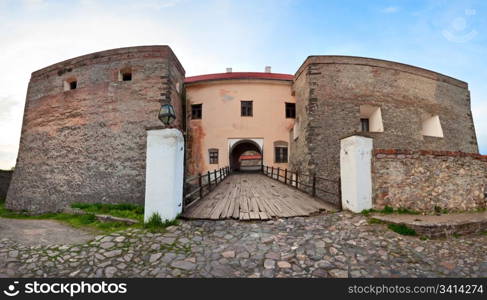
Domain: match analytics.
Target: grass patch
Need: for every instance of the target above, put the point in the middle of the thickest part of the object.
(75, 220)
(375, 221)
(389, 210)
(88, 220)
(402, 229)
(125, 210)
(155, 223)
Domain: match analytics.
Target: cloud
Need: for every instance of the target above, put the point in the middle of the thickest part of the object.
(390, 9)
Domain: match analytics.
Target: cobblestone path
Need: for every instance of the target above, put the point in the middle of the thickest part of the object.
(330, 245)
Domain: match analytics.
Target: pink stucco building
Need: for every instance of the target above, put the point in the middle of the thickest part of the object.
(238, 113)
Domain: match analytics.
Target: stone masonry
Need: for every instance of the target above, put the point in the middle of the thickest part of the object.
(330, 89)
(429, 181)
(88, 144)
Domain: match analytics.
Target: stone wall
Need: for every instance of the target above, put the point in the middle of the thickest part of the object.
(429, 180)
(5, 177)
(89, 144)
(329, 91)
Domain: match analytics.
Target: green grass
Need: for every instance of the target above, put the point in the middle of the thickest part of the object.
(88, 220)
(155, 223)
(402, 229)
(375, 221)
(389, 210)
(125, 210)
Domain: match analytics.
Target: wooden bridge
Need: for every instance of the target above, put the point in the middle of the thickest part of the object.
(254, 196)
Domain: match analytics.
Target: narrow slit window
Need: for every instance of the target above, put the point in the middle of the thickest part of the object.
(196, 111)
(246, 109)
(213, 154)
(371, 119)
(364, 124)
(290, 110)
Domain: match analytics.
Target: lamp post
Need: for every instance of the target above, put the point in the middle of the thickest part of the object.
(166, 114)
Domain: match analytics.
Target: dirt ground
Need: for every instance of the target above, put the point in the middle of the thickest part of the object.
(42, 232)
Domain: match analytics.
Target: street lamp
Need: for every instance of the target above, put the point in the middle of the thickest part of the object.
(166, 114)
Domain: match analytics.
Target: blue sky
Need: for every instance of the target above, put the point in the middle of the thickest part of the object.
(449, 37)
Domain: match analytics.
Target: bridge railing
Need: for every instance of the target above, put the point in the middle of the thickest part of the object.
(198, 186)
(326, 189)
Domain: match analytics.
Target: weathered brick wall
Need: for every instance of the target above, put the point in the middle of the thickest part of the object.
(88, 144)
(330, 89)
(429, 180)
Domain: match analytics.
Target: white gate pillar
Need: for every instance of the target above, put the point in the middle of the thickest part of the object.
(355, 173)
(164, 173)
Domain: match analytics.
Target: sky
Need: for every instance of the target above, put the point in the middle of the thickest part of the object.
(449, 37)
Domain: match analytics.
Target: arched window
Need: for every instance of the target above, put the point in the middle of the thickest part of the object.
(280, 152)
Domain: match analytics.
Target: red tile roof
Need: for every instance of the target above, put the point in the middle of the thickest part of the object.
(239, 75)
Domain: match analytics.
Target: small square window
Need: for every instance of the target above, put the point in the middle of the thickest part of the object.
(281, 154)
(290, 110)
(127, 76)
(213, 154)
(246, 107)
(70, 84)
(196, 111)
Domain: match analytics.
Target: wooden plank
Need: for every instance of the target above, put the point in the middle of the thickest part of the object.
(244, 216)
(254, 215)
(263, 216)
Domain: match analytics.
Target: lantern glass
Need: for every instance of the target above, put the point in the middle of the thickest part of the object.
(166, 114)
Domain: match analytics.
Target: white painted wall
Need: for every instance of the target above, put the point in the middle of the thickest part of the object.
(164, 174)
(355, 172)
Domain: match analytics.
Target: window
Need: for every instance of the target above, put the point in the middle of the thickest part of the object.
(70, 84)
(246, 108)
(125, 74)
(371, 119)
(196, 111)
(364, 123)
(290, 110)
(280, 152)
(431, 126)
(213, 153)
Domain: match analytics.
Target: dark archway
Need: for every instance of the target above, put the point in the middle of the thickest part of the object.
(250, 150)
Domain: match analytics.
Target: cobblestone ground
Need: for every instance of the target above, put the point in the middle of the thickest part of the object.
(332, 245)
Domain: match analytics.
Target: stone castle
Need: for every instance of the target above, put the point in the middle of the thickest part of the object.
(84, 130)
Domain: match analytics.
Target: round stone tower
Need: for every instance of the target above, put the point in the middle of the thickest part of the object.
(84, 129)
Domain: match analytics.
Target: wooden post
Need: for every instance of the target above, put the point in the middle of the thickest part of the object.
(272, 172)
(200, 185)
(297, 178)
(278, 173)
(209, 181)
(214, 176)
(221, 175)
(285, 176)
(314, 185)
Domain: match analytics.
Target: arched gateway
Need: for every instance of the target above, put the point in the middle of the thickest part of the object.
(245, 154)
